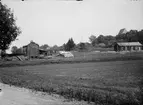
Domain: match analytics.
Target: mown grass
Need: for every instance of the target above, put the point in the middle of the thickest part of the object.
(104, 83)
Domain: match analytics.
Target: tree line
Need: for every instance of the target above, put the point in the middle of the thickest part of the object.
(9, 32)
(109, 40)
(106, 41)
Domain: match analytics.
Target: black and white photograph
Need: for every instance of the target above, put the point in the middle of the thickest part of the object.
(71, 52)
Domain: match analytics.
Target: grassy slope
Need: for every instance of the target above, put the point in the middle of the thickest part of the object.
(114, 83)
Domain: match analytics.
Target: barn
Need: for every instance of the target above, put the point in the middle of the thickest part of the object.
(128, 46)
(31, 50)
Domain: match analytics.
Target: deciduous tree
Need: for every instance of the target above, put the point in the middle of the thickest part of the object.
(14, 49)
(93, 40)
(45, 46)
(8, 28)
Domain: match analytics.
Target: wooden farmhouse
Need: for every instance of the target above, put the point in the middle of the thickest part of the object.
(31, 50)
(128, 46)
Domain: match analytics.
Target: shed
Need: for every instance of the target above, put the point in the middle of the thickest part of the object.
(128, 46)
(31, 50)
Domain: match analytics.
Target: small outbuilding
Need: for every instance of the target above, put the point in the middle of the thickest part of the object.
(31, 50)
(47, 52)
(128, 46)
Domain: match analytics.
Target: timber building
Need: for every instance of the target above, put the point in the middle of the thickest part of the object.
(128, 46)
(31, 50)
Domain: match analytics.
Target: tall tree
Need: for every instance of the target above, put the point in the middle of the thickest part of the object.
(82, 46)
(101, 39)
(93, 40)
(109, 40)
(45, 46)
(130, 36)
(69, 45)
(55, 47)
(8, 29)
(140, 36)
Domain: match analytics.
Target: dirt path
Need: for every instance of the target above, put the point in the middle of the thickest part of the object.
(11, 95)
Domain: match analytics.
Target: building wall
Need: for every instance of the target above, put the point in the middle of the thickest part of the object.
(31, 50)
(25, 50)
(117, 47)
(127, 48)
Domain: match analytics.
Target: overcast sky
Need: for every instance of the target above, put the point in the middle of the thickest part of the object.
(55, 21)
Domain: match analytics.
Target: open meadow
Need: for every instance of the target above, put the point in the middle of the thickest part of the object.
(103, 83)
(79, 57)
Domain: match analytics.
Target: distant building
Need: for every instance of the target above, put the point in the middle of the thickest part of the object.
(49, 51)
(128, 46)
(31, 50)
(45, 52)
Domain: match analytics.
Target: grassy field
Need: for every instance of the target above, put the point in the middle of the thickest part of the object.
(79, 57)
(104, 83)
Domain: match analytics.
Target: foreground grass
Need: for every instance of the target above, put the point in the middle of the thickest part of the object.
(104, 83)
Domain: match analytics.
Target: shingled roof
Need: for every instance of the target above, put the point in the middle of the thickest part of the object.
(129, 44)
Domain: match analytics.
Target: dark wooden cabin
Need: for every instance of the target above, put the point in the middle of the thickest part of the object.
(128, 46)
(31, 50)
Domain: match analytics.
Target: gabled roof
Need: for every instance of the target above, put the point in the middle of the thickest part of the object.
(31, 43)
(129, 44)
